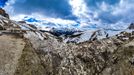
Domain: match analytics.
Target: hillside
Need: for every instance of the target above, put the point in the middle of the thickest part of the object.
(25, 50)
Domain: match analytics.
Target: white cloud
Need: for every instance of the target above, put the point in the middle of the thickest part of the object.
(79, 8)
(44, 22)
(43, 19)
(104, 6)
(9, 8)
(124, 11)
(124, 7)
(85, 16)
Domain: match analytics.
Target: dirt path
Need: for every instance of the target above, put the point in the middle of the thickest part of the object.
(10, 51)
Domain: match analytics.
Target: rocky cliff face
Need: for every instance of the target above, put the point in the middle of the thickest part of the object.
(24, 50)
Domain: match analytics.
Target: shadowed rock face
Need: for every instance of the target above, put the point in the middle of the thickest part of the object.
(3, 13)
(32, 52)
(131, 26)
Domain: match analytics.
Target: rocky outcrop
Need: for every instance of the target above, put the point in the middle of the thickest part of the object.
(24, 50)
(110, 56)
(131, 26)
(3, 13)
(81, 36)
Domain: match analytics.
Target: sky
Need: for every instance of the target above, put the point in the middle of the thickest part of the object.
(84, 14)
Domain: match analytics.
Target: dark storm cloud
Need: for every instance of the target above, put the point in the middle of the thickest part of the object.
(55, 8)
(110, 12)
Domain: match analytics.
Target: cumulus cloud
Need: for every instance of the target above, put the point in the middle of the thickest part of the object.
(87, 13)
(81, 10)
(112, 11)
(125, 10)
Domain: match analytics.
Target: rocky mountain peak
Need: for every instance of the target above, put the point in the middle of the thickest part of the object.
(131, 26)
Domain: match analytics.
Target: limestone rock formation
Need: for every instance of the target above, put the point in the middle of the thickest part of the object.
(24, 50)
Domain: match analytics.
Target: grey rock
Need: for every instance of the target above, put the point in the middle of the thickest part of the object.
(131, 26)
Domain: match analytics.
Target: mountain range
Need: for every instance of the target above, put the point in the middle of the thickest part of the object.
(26, 49)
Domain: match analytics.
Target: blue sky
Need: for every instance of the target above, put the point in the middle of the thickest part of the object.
(2, 2)
(86, 12)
